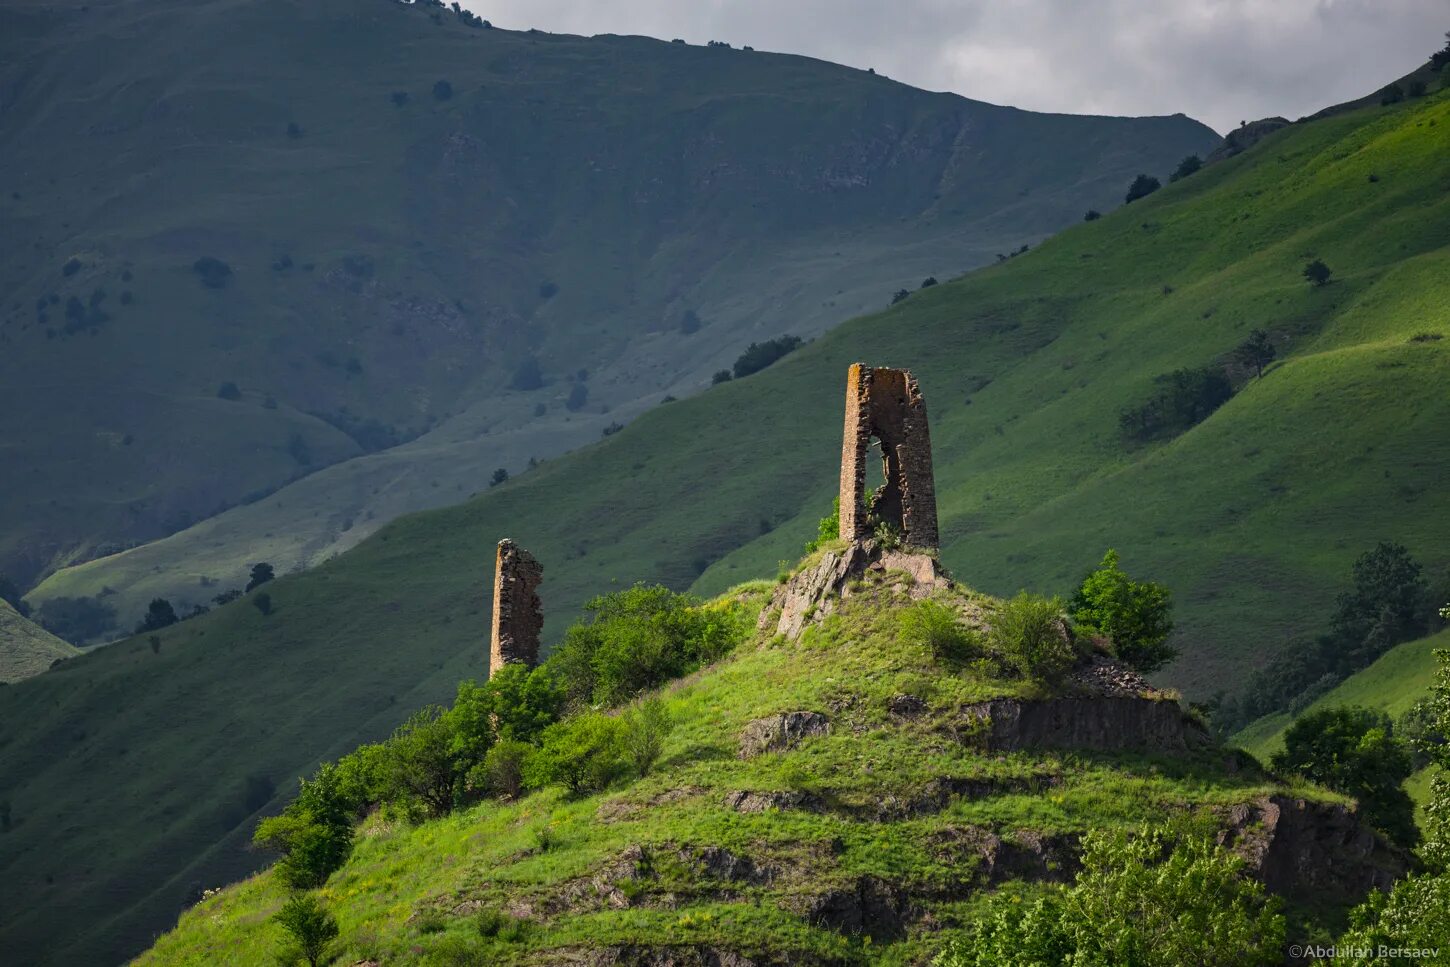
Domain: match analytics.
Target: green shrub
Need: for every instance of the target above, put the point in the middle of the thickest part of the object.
(585, 754)
(829, 528)
(504, 768)
(524, 701)
(637, 639)
(1149, 899)
(1030, 635)
(646, 728)
(938, 628)
(757, 356)
(1136, 616)
(310, 928)
(1142, 187)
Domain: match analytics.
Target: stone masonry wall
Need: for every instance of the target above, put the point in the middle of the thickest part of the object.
(887, 404)
(518, 614)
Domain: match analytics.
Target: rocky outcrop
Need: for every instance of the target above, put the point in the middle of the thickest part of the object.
(869, 905)
(1101, 675)
(776, 733)
(1097, 724)
(1243, 138)
(993, 859)
(684, 956)
(718, 863)
(941, 792)
(748, 801)
(1311, 851)
(817, 591)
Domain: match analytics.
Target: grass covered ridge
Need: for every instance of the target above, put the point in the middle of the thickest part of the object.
(548, 876)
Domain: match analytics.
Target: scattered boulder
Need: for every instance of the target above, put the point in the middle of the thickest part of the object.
(1311, 851)
(1103, 724)
(1101, 675)
(776, 733)
(1024, 854)
(905, 706)
(941, 792)
(603, 888)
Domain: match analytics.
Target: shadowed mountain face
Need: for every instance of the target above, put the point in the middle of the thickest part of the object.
(253, 243)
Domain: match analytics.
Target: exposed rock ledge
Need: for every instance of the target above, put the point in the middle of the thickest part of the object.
(1097, 724)
(1311, 851)
(817, 591)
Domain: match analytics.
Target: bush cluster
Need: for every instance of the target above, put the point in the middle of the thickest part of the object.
(524, 728)
(759, 355)
(1184, 398)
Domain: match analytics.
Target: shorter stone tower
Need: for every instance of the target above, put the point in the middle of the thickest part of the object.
(518, 614)
(886, 404)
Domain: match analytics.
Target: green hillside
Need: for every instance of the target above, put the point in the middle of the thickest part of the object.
(1252, 516)
(25, 648)
(858, 858)
(325, 230)
(1397, 680)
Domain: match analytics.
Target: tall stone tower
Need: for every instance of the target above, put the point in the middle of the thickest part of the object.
(518, 614)
(886, 404)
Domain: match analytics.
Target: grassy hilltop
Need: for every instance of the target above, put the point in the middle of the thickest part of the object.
(766, 858)
(324, 230)
(1252, 516)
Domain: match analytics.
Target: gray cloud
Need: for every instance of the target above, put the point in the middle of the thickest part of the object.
(1221, 61)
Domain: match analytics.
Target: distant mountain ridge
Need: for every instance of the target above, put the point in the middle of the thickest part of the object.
(325, 230)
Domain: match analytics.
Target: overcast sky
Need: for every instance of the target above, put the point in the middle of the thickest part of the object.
(1221, 61)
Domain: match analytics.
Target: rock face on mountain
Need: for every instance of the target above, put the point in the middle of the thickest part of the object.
(1243, 138)
(1088, 723)
(817, 591)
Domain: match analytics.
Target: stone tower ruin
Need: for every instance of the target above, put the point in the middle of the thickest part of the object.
(886, 405)
(518, 614)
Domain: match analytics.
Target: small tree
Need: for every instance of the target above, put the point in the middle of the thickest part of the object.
(311, 929)
(314, 833)
(421, 768)
(1142, 187)
(1188, 166)
(928, 282)
(646, 728)
(585, 754)
(1354, 750)
(1136, 616)
(1256, 351)
(1317, 273)
(1092, 215)
(261, 574)
(721, 376)
(159, 614)
(500, 475)
(900, 295)
(828, 528)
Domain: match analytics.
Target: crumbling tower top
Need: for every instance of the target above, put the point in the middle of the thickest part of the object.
(518, 614)
(886, 404)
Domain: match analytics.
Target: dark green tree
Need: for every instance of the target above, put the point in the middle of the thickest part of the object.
(1189, 165)
(1256, 351)
(499, 476)
(159, 614)
(1354, 750)
(1142, 187)
(1317, 273)
(1135, 616)
(1092, 215)
(261, 574)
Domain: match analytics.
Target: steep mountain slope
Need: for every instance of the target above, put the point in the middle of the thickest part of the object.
(865, 838)
(25, 648)
(324, 230)
(1252, 516)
